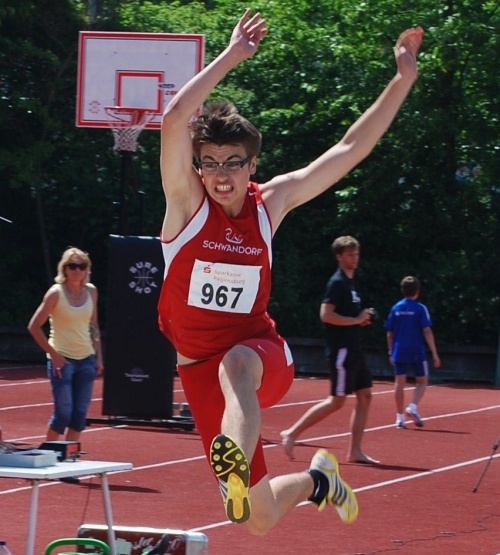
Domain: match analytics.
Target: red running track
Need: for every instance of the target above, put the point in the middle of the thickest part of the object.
(418, 501)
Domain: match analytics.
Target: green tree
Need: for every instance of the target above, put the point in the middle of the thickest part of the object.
(321, 66)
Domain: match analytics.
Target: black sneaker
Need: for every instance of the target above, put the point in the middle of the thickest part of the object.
(231, 467)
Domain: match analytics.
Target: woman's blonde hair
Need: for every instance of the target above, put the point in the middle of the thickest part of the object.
(66, 257)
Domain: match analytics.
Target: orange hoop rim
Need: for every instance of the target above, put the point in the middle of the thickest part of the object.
(126, 123)
(138, 117)
(128, 109)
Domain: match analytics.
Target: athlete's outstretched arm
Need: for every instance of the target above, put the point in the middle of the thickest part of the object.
(300, 186)
(176, 148)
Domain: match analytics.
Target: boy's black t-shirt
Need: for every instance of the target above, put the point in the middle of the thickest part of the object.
(341, 292)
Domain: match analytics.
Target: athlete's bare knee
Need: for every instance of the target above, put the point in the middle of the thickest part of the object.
(233, 361)
(265, 511)
(364, 397)
(241, 367)
(256, 530)
(262, 522)
(336, 402)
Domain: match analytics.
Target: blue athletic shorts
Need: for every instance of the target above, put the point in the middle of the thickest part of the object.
(419, 369)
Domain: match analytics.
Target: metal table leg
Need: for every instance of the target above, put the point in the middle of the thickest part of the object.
(107, 511)
(30, 542)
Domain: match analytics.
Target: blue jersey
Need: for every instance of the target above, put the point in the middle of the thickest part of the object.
(407, 320)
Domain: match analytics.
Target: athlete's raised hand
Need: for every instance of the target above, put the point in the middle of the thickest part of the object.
(247, 34)
(406, 51)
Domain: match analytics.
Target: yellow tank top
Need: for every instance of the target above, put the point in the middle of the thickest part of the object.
(70, 327)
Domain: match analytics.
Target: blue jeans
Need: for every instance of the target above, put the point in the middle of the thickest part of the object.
(72, 393)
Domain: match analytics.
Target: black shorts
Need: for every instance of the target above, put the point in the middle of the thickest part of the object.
(349, 372)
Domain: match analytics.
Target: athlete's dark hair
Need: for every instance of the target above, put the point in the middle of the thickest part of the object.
(220, 123)
(410, 286)
(342, 243)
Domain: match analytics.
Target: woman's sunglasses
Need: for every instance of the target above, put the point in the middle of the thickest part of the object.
(74, 266)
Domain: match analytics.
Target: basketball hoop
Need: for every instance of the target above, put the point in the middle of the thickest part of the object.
(126, 124)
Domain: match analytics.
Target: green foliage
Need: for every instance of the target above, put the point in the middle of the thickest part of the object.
(322, 64)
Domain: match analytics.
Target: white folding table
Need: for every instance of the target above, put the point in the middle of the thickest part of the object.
(65, 470)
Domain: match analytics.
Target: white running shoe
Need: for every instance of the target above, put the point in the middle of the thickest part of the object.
(416, 417)
(339, 492)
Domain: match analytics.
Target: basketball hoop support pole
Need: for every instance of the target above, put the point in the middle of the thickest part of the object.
(127, 124)
(126, 161)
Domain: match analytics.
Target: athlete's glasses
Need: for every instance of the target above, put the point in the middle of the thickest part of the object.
(231, 166)
(74, 266)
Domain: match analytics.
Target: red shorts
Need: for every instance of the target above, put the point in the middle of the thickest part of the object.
(206, 402)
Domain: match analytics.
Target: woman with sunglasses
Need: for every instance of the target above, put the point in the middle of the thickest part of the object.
(74, 356)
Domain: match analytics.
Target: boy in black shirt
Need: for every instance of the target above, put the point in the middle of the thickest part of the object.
(342, 316)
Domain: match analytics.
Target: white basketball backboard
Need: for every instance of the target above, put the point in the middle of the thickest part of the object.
(136, 70)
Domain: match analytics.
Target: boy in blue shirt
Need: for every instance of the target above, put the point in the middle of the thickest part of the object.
(408, 330)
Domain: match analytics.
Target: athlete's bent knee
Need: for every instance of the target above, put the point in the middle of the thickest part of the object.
(261, 525)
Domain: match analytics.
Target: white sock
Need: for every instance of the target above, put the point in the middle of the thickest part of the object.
(413, 406)
(400, 417)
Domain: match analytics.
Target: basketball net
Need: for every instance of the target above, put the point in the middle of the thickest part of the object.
(127, 124)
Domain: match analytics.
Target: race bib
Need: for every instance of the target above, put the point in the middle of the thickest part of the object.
(224, 287)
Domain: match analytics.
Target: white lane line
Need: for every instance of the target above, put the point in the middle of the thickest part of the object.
(35, 405)
(386, 426)
(17, 384)
(376, 485)
(301, 440)
(314, 439)
(313, 401)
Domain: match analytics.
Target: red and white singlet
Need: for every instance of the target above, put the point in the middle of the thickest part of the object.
(218, 279)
